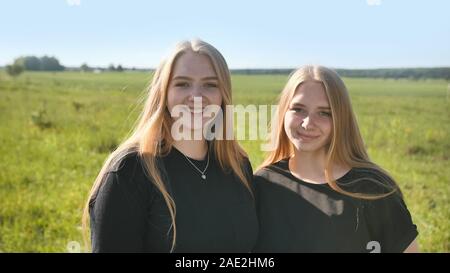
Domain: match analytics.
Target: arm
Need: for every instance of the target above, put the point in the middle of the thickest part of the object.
(412, 248)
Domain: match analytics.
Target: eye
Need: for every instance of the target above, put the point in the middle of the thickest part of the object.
(211, 85)
(182, 84)
(324, 114)
(298, 110)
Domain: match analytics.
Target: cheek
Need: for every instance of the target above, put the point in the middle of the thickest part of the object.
(327, 128)
(172, 99)
(289, 123)
(215, 98)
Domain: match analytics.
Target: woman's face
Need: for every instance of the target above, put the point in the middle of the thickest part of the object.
(193, 77)
(307, 122)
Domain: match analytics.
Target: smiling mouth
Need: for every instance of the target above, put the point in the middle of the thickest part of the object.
(306, 137)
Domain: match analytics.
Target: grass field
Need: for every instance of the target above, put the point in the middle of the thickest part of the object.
(56, 129)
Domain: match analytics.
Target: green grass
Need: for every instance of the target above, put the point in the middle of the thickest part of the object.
(56, 129)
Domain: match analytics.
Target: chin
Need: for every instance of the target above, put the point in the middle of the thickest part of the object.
(307, 147)
(197, 126)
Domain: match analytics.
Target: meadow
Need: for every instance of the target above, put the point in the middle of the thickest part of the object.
(56, 129)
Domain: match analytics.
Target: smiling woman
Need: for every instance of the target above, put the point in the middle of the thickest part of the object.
(159, 194)
(318, 191)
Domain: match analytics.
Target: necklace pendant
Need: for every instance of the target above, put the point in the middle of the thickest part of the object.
(203, 176)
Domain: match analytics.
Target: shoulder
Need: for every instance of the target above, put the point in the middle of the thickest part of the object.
(369, 173)
(126, 163)
(127, 175)
(368, 180)
(273, 171)
(273, 176)
(280, 166)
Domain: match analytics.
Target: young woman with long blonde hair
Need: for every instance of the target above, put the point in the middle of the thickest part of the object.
(318, 191)
(161, 193)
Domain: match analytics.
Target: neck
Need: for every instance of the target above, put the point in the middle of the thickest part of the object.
(195, 149)
(309, 166)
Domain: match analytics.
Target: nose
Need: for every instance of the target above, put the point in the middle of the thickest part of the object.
(196, 90)
(196, 99)
(306, 123)
(195, 94)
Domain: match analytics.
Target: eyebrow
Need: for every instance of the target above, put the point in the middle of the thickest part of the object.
(302, 105)
(188, 78)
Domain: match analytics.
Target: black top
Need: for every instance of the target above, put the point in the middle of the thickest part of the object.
(129, 214)
(297, 216)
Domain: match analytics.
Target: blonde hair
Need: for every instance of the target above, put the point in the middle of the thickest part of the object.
(151, 137)
(346, 146)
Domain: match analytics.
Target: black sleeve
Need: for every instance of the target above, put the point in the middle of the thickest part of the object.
(117, 221)
(390, 223)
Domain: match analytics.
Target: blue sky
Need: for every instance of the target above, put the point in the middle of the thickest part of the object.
(250, 34)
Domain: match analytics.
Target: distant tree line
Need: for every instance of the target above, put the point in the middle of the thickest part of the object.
(86, 68)
(398, 73)
(44, 63)
(262, 71)
(33, 63)
(395, 73)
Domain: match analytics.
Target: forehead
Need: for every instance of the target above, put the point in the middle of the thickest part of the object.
(311, 93)
(193, 65)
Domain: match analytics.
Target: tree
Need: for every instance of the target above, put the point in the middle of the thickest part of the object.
(111, 67)
(34, 63)
(14, 69)
(29, 63)
(119, 68)
(85, 68)
(50, 64)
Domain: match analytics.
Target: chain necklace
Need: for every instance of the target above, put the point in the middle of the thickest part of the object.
(203, 173)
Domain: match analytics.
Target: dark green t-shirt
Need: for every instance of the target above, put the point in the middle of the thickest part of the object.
(297, 216)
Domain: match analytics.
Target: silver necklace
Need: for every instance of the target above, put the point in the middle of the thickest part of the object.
(201, 172)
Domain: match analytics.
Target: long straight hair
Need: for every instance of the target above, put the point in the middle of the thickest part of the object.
(151, 137)
(346, 146)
